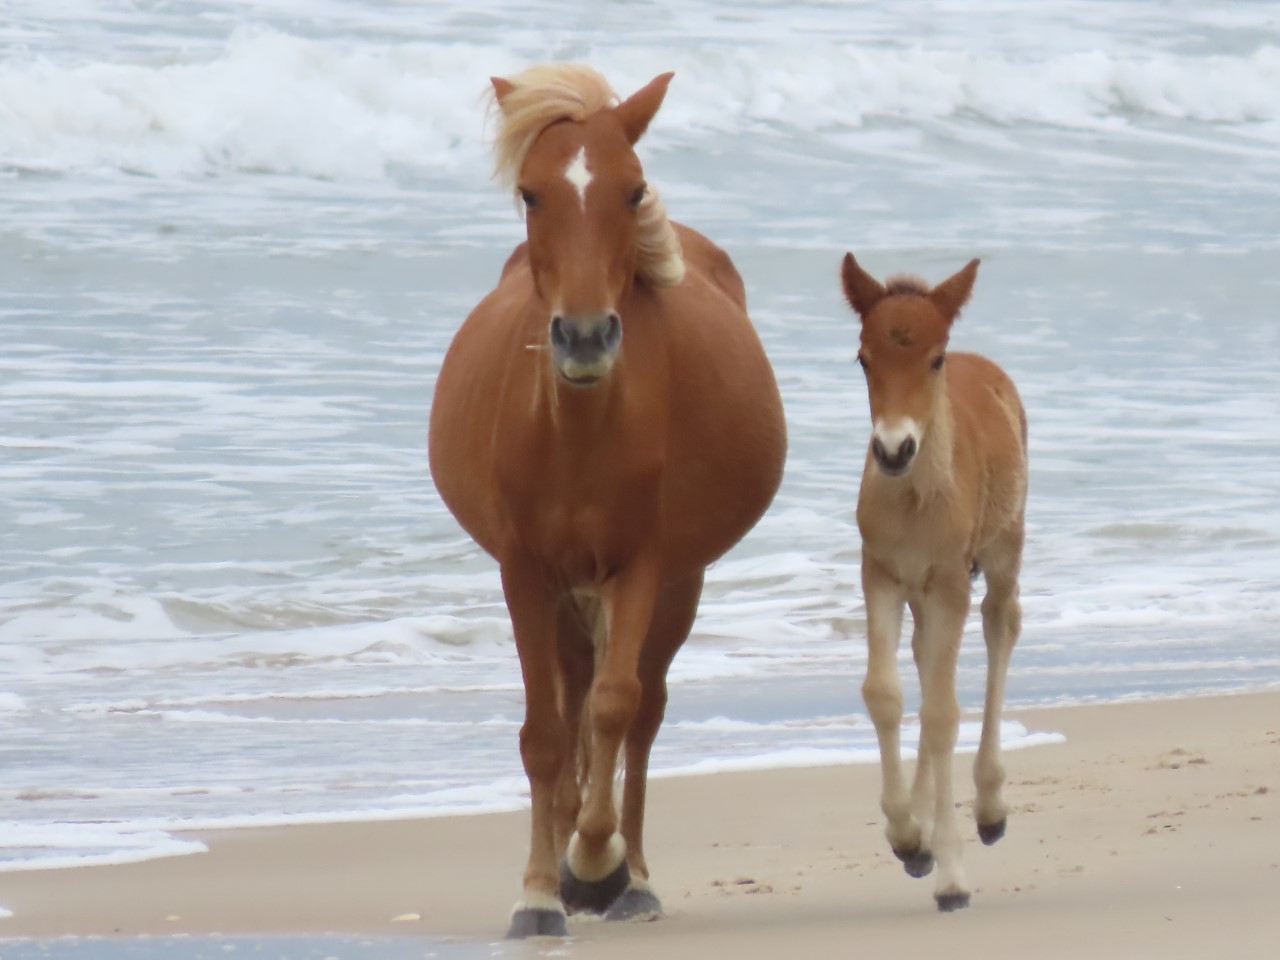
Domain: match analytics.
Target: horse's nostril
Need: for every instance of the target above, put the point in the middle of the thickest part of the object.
(613, 331)
(559, 336)
(877, 448)
(908, 449)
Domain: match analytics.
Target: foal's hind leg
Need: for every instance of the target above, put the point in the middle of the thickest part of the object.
(1001, 623)
(882, 693)
(673, 618)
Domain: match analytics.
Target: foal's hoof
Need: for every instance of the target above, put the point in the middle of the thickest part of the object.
(535, 922)
(989, 833)
(947, 902)
(918, 862)
(594, 896)
(635, 904)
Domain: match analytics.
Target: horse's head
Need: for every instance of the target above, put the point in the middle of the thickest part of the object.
(905, 326)
(590, 215)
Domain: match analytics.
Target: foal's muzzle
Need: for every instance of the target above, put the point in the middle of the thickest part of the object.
(585, 348)
(894, 462)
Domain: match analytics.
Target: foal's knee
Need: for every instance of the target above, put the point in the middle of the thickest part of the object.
(883, 697)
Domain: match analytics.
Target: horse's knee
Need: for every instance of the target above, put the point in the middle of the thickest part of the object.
(543, 750)
(614, 703)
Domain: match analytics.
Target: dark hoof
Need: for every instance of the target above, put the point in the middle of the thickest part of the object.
(989, 833)
(918, 862)
(635, 904)
(597, 896)
(947, 902)
(537, 923)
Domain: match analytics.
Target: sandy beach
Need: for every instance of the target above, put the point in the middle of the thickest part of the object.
(1152, 831)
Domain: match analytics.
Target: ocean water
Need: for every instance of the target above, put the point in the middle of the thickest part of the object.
(235, 240)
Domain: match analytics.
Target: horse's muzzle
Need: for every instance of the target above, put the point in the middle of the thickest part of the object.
(894, 464)
(585, 348)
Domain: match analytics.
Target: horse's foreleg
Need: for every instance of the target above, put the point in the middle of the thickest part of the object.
(595, 872)
(945, 607)
(577, 662)
(1001, 623)
(882, 693)
(673, 617)
(922, 792)
(543, 746)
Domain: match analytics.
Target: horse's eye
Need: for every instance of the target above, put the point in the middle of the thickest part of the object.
(638, 196)
(862, 361)
(938, 361)
(529, 198)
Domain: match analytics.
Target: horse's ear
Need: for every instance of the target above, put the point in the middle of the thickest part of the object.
(953, 293)
(638, 109)
(501, 88)
(861, 289)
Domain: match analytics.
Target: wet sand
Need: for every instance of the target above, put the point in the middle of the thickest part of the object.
(1153, 831)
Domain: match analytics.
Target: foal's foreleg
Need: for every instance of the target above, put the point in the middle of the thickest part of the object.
(543, 746)
(1001, 623)
(882, 693)
(946, 605)
(596, 872)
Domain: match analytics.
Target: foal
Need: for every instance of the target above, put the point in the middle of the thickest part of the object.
(943, 497)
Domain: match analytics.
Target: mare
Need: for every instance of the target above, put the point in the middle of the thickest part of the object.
(605, 425)
(943, 496)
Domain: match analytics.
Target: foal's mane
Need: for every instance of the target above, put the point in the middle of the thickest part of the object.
(547, 94)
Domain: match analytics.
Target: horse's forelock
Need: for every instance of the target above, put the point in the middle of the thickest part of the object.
(539, 97)
(547, 94)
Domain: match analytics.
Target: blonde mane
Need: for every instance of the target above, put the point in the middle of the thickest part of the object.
(546, 94)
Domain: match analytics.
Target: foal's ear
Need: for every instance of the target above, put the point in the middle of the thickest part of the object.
(953, 293)
(501, 88)
(861, 289)
(638, 109)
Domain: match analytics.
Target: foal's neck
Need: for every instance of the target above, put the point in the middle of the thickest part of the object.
(934, 472)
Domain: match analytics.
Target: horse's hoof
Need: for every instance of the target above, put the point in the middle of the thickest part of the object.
(595, 896)
(533, 922)
(989, 833)
(635, 904)
(947, 902)
(918, 862)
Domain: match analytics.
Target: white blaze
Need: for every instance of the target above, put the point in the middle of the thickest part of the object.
(578, 175)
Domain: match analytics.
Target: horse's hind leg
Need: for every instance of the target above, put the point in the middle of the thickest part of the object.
(1001, 623)
(673, 618)
(882, 693)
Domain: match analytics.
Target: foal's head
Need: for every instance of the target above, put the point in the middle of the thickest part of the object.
(905, 326)
(566, 145)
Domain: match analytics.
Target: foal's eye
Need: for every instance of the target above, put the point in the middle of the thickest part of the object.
(938, 361)
(637, 196)
(529, 198)
(862, 361)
